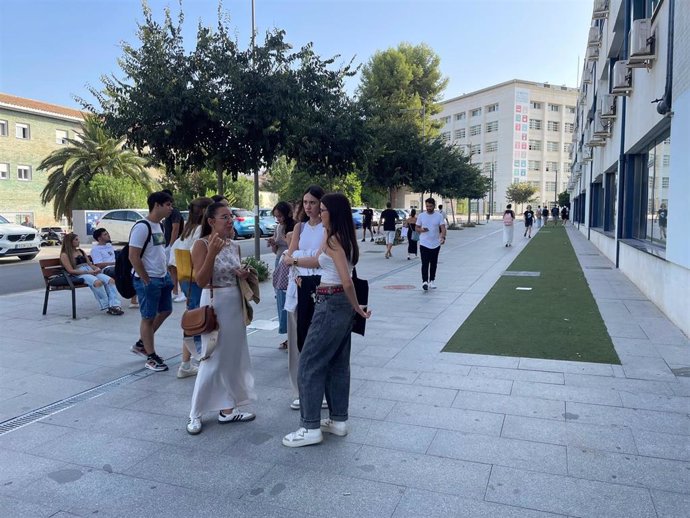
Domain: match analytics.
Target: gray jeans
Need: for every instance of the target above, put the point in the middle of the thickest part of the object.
(324, 364)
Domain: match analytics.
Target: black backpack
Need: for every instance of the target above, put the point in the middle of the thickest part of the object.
(123, 266)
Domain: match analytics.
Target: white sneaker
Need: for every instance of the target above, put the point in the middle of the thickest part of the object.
(432, 285)
(133, 305)
(302, 437)
(295, 404)
(338, 428)
(194, 425)
(180, 298)
(235, 417)
(191, 370)
(324, 403)
(425, 286)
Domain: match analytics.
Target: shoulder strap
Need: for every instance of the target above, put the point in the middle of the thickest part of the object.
(148, 237)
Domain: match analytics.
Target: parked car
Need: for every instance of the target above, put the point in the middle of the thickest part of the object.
(267, 223)
(403, 214)
(18, 241)
(52, 235)
(119, 223)
(357, 216)
(243, 221)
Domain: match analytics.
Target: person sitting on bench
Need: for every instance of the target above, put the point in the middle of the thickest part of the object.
(103, 255)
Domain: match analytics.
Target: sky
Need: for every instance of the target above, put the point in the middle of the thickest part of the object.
(51, 50)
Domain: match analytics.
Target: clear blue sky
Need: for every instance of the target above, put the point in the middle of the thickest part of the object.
(51, 49)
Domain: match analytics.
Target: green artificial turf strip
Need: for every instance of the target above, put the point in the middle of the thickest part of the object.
(558, 319)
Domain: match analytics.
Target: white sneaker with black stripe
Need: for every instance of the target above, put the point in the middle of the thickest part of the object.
(235, 417)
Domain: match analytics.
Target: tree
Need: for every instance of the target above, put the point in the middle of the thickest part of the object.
(106, 193)
(520, 192)
(564, 199)
(187, 185)
(95, 152)
(240, 192)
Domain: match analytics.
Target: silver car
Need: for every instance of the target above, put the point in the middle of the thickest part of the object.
(18, 241)
(119, 223)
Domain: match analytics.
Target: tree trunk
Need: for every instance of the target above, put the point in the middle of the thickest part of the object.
(219, 180)
(469, 210)
(452, 210)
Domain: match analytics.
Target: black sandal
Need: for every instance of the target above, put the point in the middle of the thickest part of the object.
(283, 346)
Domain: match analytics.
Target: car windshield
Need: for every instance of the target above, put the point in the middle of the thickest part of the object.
(3, 220)
(243, 213)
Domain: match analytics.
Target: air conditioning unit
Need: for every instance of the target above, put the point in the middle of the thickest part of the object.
(594, 39)
(607, 106)
(641, 43)
(601, 9)
(592, 53)
(622, 78)
(587, 75)
(602, 127)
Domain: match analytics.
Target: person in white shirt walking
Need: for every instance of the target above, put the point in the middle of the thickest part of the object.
(431, 226)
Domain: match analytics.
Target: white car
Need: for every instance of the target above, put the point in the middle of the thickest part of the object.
(119, 223)
(19, 241)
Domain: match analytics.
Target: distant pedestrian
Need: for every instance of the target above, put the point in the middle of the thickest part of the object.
(554, 215)
(445, 216)
(388, 217)
(545, 215)
(412, 234)
(431, 227)
(529, 219)
(27, 222)
(662, 214)
(367, 219)
(508, 227)
(565, 215)
(538, 214)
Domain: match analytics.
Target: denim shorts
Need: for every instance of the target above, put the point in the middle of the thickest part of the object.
(154, 297)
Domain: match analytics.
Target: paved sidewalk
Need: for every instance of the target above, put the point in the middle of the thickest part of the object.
(431, 433)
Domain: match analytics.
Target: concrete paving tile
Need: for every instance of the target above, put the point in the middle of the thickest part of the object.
(383, 374)
(379, 351)
(27, 438)
(569, 433)
(409, 393)
(613, 309)
(487, 423)
(470, 383)
(567, 495)
(301, 490)
(643, 309)
(628, 385)
(499, 451)
(26, 509)
(7, 374)
(513, 405)
(656, 402)
(429, 366)
(537, 376)
(368, 361)
(674, 354)
(624, 330)
(681, 387)
(440, 505)
(594, 369)
(635, 347)
(622, 468)
(566, 393)
(663, 445)
(53, 386)
(369, 407)
(8, 393)
(671, 505)
(397, 436)
(655, 369)
(417, 471)
(666, 422)
(20, 469)
(482, 360)
(24, 403)
(662, 331)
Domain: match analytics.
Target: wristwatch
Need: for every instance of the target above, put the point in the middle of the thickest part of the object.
(294, 262)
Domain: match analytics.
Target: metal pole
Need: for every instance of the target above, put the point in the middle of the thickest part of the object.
(491, 193)
(257, 228)
(555, 190)
(421, 201)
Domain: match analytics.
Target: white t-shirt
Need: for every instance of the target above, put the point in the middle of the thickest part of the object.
(433, 222)
(153, 259)
(183, 244)
(103, 253)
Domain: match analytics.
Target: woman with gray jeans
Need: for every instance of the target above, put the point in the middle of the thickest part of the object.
(324, 364)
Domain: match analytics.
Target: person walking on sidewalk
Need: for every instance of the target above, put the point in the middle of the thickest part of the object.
(388, 217)
(282, 212)
(545, 215)
(431, 227)
(412, 234)
(152, 281)
(225, 380)
(554, 215)
(367, 220)
(529, 219)
(565, 215)
(508, 227)
(538, 214)
(324, 365)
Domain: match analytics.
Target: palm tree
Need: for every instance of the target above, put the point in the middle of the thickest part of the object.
(95, 152)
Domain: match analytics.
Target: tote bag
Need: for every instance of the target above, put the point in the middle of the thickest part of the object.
(362, 291)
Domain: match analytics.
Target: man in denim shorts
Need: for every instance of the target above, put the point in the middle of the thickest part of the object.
(152, 281)
(388, 218)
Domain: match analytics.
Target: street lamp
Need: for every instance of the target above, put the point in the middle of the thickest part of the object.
(257, 228)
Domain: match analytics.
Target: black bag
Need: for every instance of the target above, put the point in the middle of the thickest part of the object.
(362, 291)
(123, 266)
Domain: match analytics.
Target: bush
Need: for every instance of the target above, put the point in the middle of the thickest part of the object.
(261, 267)
(455, 226)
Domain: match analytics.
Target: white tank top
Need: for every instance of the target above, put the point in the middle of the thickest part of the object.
(329, 273)
(310, 239)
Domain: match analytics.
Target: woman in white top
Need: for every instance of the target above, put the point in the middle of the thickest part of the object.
(324, 365)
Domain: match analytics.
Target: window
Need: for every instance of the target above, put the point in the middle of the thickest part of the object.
(549, 186)
(492, 126)
(476, 149)
(552, 166)
(476, 112)
(569, 127)
(491, 147)
(4, 171)
(535, 105)
(22, 131)
(566, 167)
(535, 145)
(492, 108)
(534, 165)
(460, 116)
(535, 124)
(475, 130)
(3, 128)
(553, 126)
(552, 146)
(570, 109)
(60, 136)
(24, 172)
(566, 147)
(459, 133)
(554, 108)
(445, 136)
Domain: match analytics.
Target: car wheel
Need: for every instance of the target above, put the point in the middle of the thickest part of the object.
(27, 257)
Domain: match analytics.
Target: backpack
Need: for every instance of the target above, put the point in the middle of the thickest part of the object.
(123, 266)
(507, 219)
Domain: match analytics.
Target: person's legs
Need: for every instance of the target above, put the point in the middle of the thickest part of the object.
(282, 314)
(338, 378)
(433, 262)
(96, 286)
(425, 254)
(111, 290)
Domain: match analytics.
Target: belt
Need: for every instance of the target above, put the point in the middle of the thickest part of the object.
(329, 290)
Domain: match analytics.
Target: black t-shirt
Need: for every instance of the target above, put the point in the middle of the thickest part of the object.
(554, 212)
(389, 216)
(545, 212)
(663, 215)
(175, 217)
(529, 216)
(368, 216)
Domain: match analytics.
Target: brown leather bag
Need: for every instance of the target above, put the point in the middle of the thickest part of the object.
(199, 321)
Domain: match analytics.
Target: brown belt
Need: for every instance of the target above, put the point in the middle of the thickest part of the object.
(329, 290)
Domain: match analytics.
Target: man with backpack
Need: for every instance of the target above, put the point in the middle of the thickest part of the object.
(554, 215)
(151, 280)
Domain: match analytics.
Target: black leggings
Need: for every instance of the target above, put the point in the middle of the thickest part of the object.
(411, 246)
(429, 262)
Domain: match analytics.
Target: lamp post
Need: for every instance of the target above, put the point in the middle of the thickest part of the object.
(257, 227)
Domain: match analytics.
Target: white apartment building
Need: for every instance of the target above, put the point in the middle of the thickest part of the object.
(630, 182)
(517, 131)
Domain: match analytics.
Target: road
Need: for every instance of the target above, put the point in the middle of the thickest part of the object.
(17, 276)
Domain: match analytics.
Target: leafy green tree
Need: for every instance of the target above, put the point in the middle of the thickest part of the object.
(95, 152)
(564, 199)
(521, 193)
(105, 193)
(187, 185)
(240, 192)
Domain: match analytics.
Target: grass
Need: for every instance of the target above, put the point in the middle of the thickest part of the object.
(557, 319)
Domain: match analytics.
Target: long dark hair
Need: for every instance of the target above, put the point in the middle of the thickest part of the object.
(341, 225)
(317, 192)
(286, 210)
(196, 215)
(68, 248)
(210, 213)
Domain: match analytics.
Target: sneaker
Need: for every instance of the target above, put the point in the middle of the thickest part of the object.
(324, 403)
(138, 348)
(425, 286)
(190, 370)
(180, 298)
(156, 363)
(338, 428)
(295, 404)
(372, 239)
(194, 426)
(303, 437)
(115, 311)
(133, 305)
(432, 285)
(235, 417)
(363, 240)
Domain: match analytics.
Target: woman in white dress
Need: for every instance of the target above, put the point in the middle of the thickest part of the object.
(225, 380)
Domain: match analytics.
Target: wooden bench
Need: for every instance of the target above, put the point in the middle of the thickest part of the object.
(57, 279)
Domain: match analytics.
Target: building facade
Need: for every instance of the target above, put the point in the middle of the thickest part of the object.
(517, 131)
(630, 182)
(29, 132)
